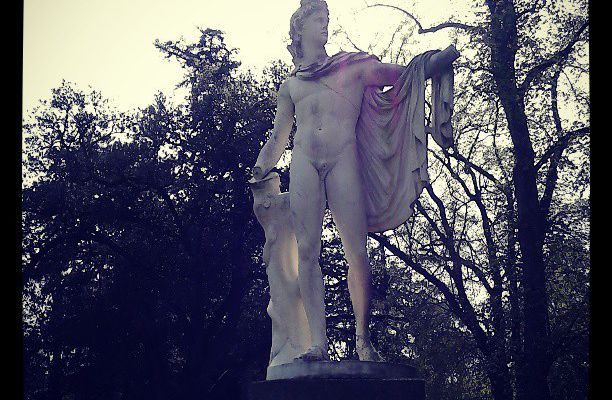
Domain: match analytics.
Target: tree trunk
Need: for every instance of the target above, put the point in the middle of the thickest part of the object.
(499, 377)
(513, 274)
(530, 219)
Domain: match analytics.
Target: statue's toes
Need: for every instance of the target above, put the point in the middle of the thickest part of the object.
(371, 355)
(314, 354)
(367, 352)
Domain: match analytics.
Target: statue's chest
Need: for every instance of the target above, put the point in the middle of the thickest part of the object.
(325, 88)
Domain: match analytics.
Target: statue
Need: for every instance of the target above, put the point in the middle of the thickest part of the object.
(358, 149)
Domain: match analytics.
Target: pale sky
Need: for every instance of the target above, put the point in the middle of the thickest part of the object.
(108, 44)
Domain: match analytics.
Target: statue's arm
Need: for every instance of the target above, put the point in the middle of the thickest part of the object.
(440, 61)
(275, 146)
(376, 73)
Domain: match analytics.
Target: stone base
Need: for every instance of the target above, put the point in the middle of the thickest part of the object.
(337, 389)
(344, 380)
(342, 369)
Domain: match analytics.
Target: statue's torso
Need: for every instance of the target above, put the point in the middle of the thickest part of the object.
(326, 110)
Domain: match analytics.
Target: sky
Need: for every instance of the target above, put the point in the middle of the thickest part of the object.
(108, 44)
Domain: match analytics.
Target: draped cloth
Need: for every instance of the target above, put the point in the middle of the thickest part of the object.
(392, 135)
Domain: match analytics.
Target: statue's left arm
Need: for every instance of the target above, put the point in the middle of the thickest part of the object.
(376, 73)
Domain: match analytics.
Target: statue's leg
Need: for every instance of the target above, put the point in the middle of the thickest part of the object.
(343, 185)
(346, 200)
(307, 201)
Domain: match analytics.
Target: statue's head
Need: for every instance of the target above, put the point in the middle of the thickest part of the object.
(309, 21)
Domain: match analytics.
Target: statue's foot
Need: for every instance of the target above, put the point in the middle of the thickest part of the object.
(366, 351)
(314, 353)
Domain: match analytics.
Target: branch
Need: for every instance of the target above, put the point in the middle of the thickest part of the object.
(557, 150)
(421, 30)
(535, 6)
(342, 30)
(552, 175)
(457, 156)
(103, 239)
(456, 274)
(352, 43)
(448, 242)
(498, 157)
(561, 144)
(486, 225)
(554, 59)
(73, 235)
(562, 339)
(441, 286)
(455, 257)
(467, 316)
(445, 224)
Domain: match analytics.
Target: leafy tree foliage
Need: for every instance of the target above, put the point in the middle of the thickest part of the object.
(141, 252)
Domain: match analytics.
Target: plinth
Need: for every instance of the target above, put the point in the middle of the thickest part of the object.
(343, 380)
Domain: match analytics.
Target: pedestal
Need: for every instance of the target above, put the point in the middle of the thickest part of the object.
(344, 380)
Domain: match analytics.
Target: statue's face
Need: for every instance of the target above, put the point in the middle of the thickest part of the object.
(315, 27)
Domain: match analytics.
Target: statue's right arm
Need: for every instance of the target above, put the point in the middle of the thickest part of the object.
(275, 146)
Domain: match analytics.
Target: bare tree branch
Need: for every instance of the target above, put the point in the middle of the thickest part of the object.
(554, 59)
(441, 286)
(562, 144)
(342, 30)
(457, 156)
(421, 30)
(456, 274)
(535, 6)
(555, 152)
(486, 225)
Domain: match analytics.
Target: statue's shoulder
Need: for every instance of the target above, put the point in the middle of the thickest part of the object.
(353, 56)
(288, 87)
(341, 59)
(285, 86)
(352, 61)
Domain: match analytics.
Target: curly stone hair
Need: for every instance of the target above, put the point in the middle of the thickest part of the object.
(307, 8)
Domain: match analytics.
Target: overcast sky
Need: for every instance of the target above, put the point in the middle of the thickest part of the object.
(108, 44)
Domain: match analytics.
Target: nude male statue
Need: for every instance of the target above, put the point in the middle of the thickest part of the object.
(325, 166)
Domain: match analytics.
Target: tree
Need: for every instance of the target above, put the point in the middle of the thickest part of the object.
(141, 253)
(484, 231)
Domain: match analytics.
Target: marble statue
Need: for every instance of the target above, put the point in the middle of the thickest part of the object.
(358, 149)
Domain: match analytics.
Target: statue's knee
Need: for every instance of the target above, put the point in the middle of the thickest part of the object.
(358, 258)
(308, 260)
(308, 254)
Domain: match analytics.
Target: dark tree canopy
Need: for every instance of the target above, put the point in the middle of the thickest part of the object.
(141, 253)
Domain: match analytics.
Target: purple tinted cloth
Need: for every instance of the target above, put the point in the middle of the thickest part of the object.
(392, 135)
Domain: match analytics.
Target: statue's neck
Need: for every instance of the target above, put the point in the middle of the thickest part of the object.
(313, 54)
